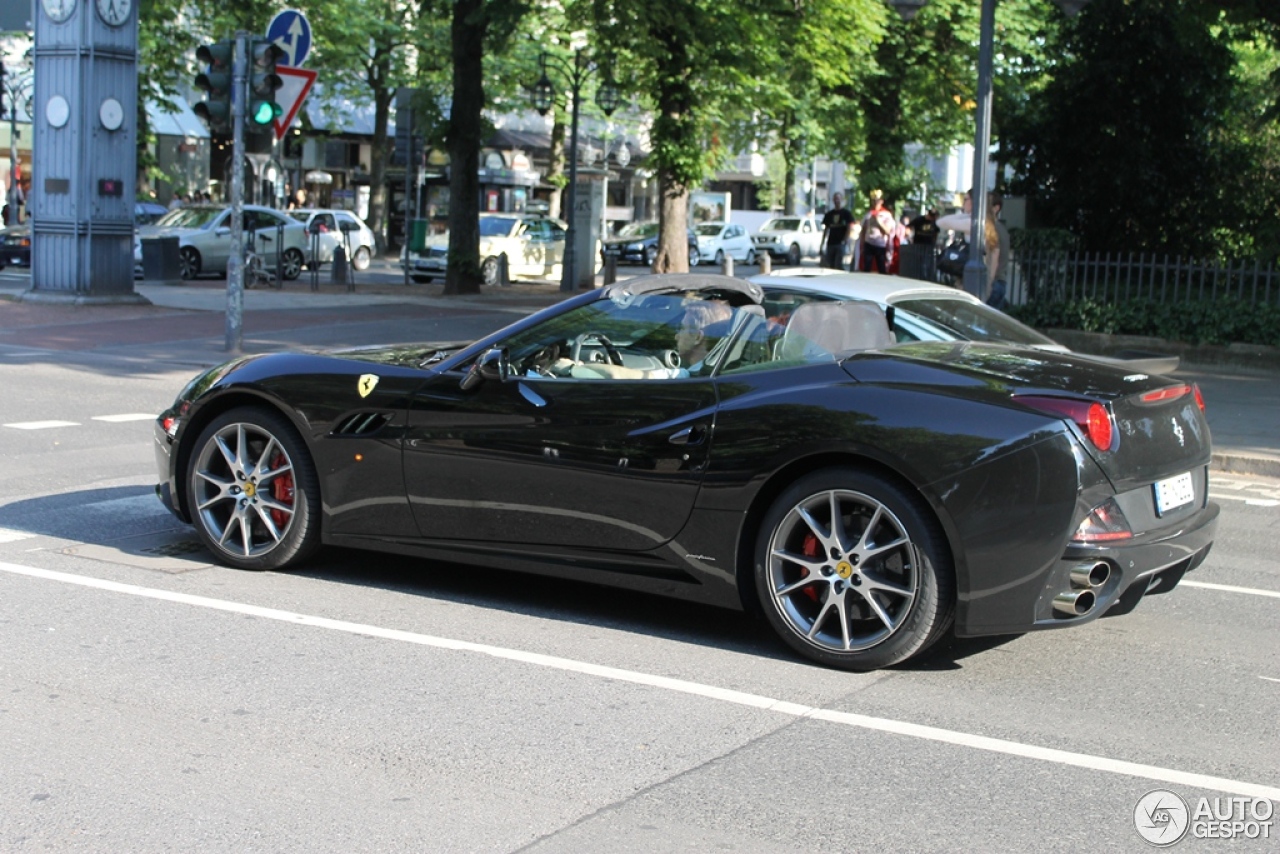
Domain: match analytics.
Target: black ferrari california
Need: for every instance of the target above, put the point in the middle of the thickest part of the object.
(682, 435)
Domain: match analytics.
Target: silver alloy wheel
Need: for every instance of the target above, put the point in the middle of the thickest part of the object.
(842, 571)
(695, 258)
(244, 491)
(188, 262)
(361, 258)
(293, 261)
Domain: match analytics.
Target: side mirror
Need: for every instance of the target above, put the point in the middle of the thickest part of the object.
(491, 366)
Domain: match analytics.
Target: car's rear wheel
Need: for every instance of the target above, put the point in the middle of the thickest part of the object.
(793, 255)
(751, 257)
(188, 262)
(292, 264)
(853, 571)
(253, 492)
(362, 258)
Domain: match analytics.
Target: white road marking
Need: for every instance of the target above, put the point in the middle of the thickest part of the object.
(1269, 678)
(1253, 502)
(40, 425)
(133, 416)
(1227, 588)
(9, 535)
(756, 701)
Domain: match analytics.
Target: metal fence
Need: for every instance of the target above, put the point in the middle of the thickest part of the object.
(1056, 276)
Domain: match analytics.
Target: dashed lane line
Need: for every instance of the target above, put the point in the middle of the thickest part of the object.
(769, 704)
(40, 425)
(129, 416)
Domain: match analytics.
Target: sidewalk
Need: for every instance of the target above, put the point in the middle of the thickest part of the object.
(188, 320)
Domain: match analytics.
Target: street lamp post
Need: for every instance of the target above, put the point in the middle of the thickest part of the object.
(544, 98)
(975, 271)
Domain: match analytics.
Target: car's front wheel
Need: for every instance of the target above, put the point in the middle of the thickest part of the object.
(292, 264)
(695, 257)
(793, 255)
(751, 257)
(719, 257)
(650, 255)
(188, 262)
(489, 271)
(253, 492)
(853, 571)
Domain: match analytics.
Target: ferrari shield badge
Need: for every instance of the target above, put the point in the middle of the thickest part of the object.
(367, 383)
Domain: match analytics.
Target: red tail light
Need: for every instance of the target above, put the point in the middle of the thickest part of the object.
(1195, 389)
(1092, 417)
(1163, 394)
(1105, 523)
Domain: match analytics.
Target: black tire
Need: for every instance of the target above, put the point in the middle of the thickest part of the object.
(362, 258)
(719, 257)
(489, 271)
(751, 258)
(860, 597)
(292, 264)
(695, 257)
(793, 255)
(188, 262)
(421, 280)
(238, 457)
(650, 255)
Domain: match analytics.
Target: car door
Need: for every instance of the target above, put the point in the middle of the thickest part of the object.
(739, 242)
(558, 461)
(535, 240)
(214, 244)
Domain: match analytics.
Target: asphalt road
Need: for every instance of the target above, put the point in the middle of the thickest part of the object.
(151, 701)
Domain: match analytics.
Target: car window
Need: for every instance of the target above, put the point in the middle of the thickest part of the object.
(807, 227)
(348, 218)
(639, 229)
(538, 230)
(972, 321)
(497, 226)
(650, 338)
(190, 217)
(709, 229)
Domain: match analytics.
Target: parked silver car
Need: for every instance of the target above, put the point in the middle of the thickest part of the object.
(204, 238)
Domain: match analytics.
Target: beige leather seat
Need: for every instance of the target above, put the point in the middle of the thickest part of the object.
(824, 330)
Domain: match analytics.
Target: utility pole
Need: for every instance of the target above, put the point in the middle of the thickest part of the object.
(235, 264)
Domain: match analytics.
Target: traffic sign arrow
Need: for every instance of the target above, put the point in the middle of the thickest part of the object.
(296, 83)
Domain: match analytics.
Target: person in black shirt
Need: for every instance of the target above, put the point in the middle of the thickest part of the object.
(835, 231)
(924, 229)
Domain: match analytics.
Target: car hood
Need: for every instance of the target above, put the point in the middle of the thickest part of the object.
(402, 355)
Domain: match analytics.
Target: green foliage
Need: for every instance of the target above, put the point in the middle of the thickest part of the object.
(1222, 321)
(1039, 240)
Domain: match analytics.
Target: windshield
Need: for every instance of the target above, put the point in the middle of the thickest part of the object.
(189, 217)
(639, 229)
(300, 215)
(709, 229)
(973, 321)
(782, 225)
(497, 226)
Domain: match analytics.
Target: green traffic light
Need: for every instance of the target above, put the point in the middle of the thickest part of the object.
(265, 112)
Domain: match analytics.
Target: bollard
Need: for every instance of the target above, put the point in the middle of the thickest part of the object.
(766, 263)
(504, 270)
(339, 275)
(727, 266)
(610, 269)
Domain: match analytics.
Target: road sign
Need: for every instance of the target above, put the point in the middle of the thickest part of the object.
(295, 84)
(291, 31)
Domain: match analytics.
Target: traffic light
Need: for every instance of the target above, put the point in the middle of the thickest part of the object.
(215, 81)
(263, 83)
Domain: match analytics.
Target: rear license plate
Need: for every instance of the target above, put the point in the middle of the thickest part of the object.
(1174, 492)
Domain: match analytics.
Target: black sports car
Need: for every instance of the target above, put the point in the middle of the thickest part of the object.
(666, 434)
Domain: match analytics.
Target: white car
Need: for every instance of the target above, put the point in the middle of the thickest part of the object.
(327, 227)
(923, 311)
(533, 244)
(204, 238)
(718, 240)
(790, 238)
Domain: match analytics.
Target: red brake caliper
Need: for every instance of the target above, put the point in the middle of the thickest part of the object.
(810, 549)
(281, 491)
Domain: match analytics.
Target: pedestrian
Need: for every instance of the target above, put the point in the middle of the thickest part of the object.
(877, 235)
(924, 228)
(835, 231)
(995, 240)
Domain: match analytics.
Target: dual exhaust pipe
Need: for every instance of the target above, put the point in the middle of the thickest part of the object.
(1086, 578)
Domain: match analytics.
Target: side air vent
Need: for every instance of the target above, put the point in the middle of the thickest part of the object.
(361, 424)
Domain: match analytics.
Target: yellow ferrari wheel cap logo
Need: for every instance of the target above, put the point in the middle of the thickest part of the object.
(250, 490)
(844, 569)
(367, 383)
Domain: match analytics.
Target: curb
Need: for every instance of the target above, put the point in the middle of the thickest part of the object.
(1233, 463)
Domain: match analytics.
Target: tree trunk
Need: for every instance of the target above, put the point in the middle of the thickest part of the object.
(556, 170)
(464, 139)
(378, 168)
(673, 225)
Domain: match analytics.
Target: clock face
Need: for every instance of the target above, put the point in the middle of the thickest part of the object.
(115, 12)
(58, 10)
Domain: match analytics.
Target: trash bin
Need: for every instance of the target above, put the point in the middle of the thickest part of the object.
(418, 231)
(160, 258)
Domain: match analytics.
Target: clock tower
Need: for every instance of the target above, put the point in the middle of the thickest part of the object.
(84, 157)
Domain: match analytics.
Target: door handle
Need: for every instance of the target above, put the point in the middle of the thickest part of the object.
(688, 436)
